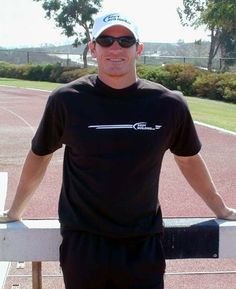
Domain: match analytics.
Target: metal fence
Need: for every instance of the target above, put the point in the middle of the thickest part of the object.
(201, 62)
(73, 59)
(40, 57)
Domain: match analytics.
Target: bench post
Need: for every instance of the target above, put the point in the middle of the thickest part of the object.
(37, 275)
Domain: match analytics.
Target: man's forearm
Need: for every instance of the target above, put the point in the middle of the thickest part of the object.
(198, 176)
(33, 171)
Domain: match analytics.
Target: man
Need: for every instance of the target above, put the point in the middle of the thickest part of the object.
(116, 129)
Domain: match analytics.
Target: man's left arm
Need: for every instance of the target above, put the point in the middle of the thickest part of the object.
(196, 173)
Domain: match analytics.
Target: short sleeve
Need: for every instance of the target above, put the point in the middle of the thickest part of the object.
(48, 137)
(185, 138)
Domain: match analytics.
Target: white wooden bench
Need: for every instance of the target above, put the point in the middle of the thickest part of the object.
(38, 241)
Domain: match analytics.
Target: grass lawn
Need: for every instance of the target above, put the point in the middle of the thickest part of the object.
(211, 112)
(28, 83)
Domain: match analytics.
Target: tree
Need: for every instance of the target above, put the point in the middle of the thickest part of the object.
(217, 15)
(198, 44)
(228, 52)
(72, 14)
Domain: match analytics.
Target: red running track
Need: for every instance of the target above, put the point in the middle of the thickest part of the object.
(20, 112)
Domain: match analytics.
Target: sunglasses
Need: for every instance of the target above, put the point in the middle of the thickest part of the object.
(124, 41)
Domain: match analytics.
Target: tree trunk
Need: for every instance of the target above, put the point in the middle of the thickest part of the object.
(223, 64)
(214, 46)
(85, 52)
(86, 49)
(211, 52)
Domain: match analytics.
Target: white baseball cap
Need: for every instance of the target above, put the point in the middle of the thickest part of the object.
(112, 19)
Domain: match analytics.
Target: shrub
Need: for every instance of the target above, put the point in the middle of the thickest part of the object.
(174, 76)
(230, 92)
(183, 76)
(9, 70)
(219, 86)
(32, 72)
(206, 86)
(142, 70)
(56, 72)
(4, 69)
(156, 74)
(47, 71)
(71, 75)
(228, 84)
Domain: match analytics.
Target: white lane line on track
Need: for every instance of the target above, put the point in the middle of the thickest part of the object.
(28, 88)
(20, 117)
(201, 273)
(215, 128)
(38, 89)
(196, 122)
(11, 86)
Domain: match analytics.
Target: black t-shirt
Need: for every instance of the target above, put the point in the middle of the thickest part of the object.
(115, 140)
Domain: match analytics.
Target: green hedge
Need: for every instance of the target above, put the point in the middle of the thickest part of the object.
(71, 75)
(185, 77)
(192, 81)
(219, 86)
(174, 76)
(49, 72)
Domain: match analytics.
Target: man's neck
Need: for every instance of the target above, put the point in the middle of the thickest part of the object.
(118, 82)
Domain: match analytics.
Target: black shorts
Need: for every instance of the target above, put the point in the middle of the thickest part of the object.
(91, 261)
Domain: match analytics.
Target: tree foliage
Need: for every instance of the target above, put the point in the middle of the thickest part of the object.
(218, 16)
(70, 15)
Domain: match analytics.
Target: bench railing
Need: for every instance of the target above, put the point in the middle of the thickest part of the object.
(38, 241)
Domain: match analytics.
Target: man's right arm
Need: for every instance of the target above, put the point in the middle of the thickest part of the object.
(32, 174)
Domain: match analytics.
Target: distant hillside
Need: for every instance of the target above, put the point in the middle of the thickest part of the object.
(177, 49)
(59, 54)
(167, 49)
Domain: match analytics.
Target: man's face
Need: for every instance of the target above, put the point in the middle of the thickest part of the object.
(116, 61)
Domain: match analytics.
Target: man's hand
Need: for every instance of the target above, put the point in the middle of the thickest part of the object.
(6, 218)
(231, 216)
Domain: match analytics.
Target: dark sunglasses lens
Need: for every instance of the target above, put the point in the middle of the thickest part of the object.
(127, 41)
(105, 41)
(124, 41)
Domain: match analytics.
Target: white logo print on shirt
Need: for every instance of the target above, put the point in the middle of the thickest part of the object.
(136, 126)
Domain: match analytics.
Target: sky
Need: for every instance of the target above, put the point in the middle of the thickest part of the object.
(23, 22)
